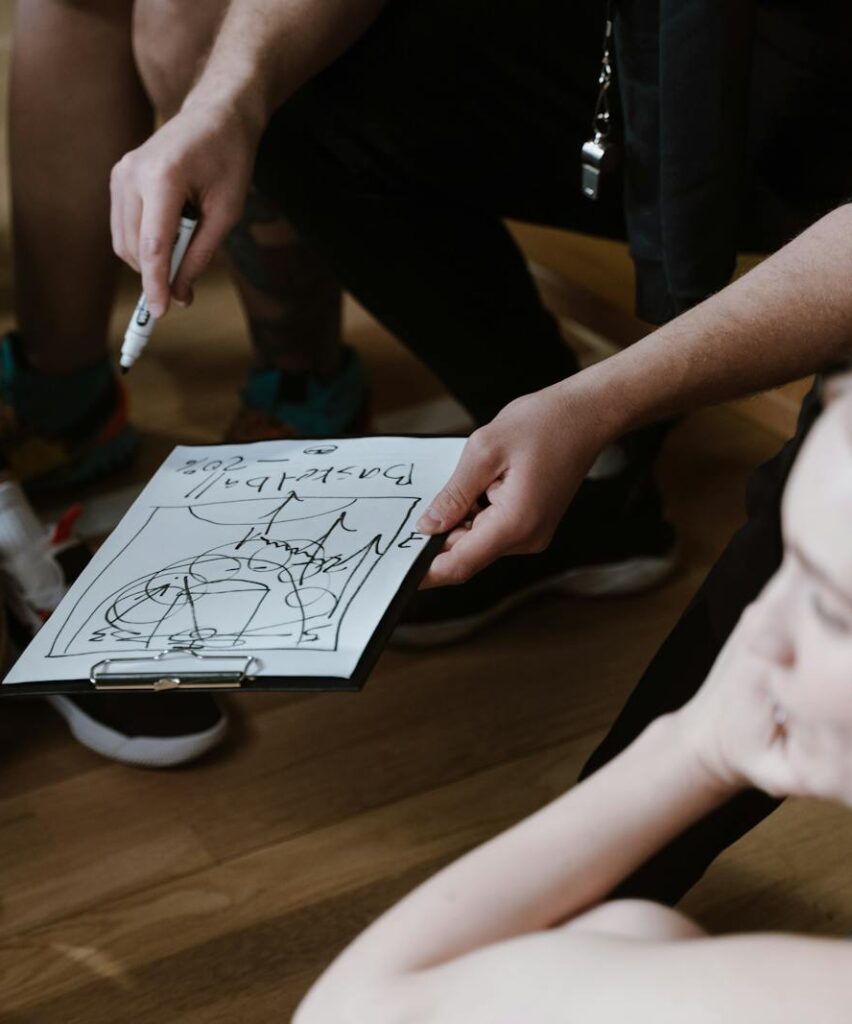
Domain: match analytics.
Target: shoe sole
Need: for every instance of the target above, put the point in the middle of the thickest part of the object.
(139, 751)
(617, 579)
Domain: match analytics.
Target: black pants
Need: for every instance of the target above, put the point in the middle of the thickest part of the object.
(684, 661)
(401, 159)
(398, 163)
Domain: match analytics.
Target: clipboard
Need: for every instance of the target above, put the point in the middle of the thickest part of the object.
(221, 673)
(184, 667)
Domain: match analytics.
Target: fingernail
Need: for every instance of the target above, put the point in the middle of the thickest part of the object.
(430, 520)
(155, 310)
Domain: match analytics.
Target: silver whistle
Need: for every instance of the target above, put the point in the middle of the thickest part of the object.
(596, 154)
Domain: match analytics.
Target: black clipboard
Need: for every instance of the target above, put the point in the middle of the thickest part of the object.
(231, 672)
(151, 670)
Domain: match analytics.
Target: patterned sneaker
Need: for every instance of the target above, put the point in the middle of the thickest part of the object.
(59, 431)
(278, 405)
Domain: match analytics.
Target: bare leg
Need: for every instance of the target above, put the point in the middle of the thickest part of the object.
(76, 106)
(291, 301)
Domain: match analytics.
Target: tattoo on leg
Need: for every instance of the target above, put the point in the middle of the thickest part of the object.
(292, 301)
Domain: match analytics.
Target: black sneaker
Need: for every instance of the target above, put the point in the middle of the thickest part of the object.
(144, 729)
(612, 541)
(138, 728)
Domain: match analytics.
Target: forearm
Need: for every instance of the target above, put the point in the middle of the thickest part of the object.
(267, 49)
(558, 862)
(789, 317)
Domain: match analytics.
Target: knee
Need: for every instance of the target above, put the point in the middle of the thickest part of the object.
(638, 919)
(171, 38)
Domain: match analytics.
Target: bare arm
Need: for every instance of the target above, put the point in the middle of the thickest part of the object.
(545, 870)
(265, 50)
(554, 864)
(481, 942)
(790, 316)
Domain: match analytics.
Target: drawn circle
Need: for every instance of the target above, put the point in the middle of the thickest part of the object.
(320, 449)
(161, 589)
(306, 597)
(263, 563)
(203, 568)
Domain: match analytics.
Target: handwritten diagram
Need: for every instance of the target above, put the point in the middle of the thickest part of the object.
(277, 573)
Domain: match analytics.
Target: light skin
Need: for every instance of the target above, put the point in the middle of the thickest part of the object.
(515, 930)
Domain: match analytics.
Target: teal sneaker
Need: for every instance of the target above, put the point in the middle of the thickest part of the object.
(277, 405)
(61, 431)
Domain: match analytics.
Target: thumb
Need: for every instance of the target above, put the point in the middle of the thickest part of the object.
(476, 471)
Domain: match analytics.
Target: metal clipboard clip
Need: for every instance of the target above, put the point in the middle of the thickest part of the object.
(158, 680)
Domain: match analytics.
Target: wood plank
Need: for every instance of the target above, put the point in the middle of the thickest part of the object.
(257, 928)
(76, 842)
(266, 911)
(790, 874)
(424, 720)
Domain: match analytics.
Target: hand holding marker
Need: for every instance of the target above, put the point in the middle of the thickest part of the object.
(142, 323)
